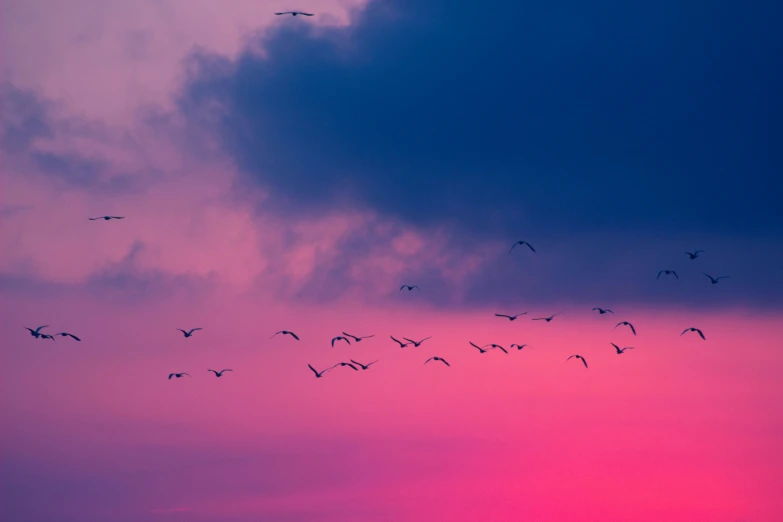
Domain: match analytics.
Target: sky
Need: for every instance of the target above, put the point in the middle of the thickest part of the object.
(292, 172)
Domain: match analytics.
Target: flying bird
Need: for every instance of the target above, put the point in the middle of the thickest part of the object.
(694, 330)
(66, 334)
(340, 338)
(294, 13)
(363, 366)
(510, 317)
(667, 272)
(107, 218)
(178, 375)
(621, 350)
(357, 339)
(693, 255)
(286, 332)
(520, 242)
(45, 336)
(481, 350)
(349, 365)
(714, 280)
(220, 373)
(402, 344)
(437, 359)
(547, 319)
(319, 374)
(497, 346)
(416, 344)
(602, 311)
(410, 287)
(518, 346)
(189, 332)
(579, 357)
(626, 323)
(37, 332)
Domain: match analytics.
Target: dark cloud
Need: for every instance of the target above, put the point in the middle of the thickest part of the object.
(561, 118)
(614, 133)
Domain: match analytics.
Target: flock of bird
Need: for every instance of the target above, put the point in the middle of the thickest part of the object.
(346, 337)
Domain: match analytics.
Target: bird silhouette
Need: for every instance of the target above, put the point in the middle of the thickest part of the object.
(518, 346)
(189, 333)
(46, 336)
(714, 280)
(621, 350)
(480, 349)
(693, 255)
(340, 338)
(416, 344)
(626, 323)
(294, 13)
(37, 332)
(107, 218)
(667, 272)
(494, 346)
(66, 334)
(547, 319)
(357, 339)
(510, 317)
(286, 332)
(520, 242)
(317, 373)
(579, 357)
(438, 359)
(178, 375)
(402, 344)
(693, 330)
(602, 311)
(410, 287)
(349, 365)
(220, 373)
(363, 366)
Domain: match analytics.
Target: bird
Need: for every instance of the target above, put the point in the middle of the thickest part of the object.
(510, 317)
(701, 334)
(667, 272)
(497, 346)
(627, 324)
(107, 218)
(340, 338)
(317, 373)
(357, 339)
(602, 311)
(37, 332)
(178, 375)
(417, 344)
(693, 255)
(189, 332)
(410, 287)
(579, 357)
(220, 373)
(349, 365)
(520, 242)
(714, 280)
(294, 13)
(481, 350)
(66, 334)
(621, 350)
(286, 332)
(518, 346)
(402, 344)
(547, 319)
(45, 336)
(438, 359)
(363, 366)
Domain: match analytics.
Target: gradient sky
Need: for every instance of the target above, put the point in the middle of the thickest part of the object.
(290, 173)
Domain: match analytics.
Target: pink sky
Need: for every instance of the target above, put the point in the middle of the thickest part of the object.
(678, 429)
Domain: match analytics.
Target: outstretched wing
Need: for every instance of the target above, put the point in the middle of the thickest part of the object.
(583, 361)
(504, 350)
(314, 371)
(226, 370)
(675, 275)
(397, 341)
(512, 247)
(503, 315)
(292, 334)
(446, 363)
(659, 274)
(700, 334)
(171, 375)
(428, 360)
(616, 347)
(530, 247)
(632, 328)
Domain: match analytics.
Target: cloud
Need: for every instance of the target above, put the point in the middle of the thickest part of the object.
(617, 136)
